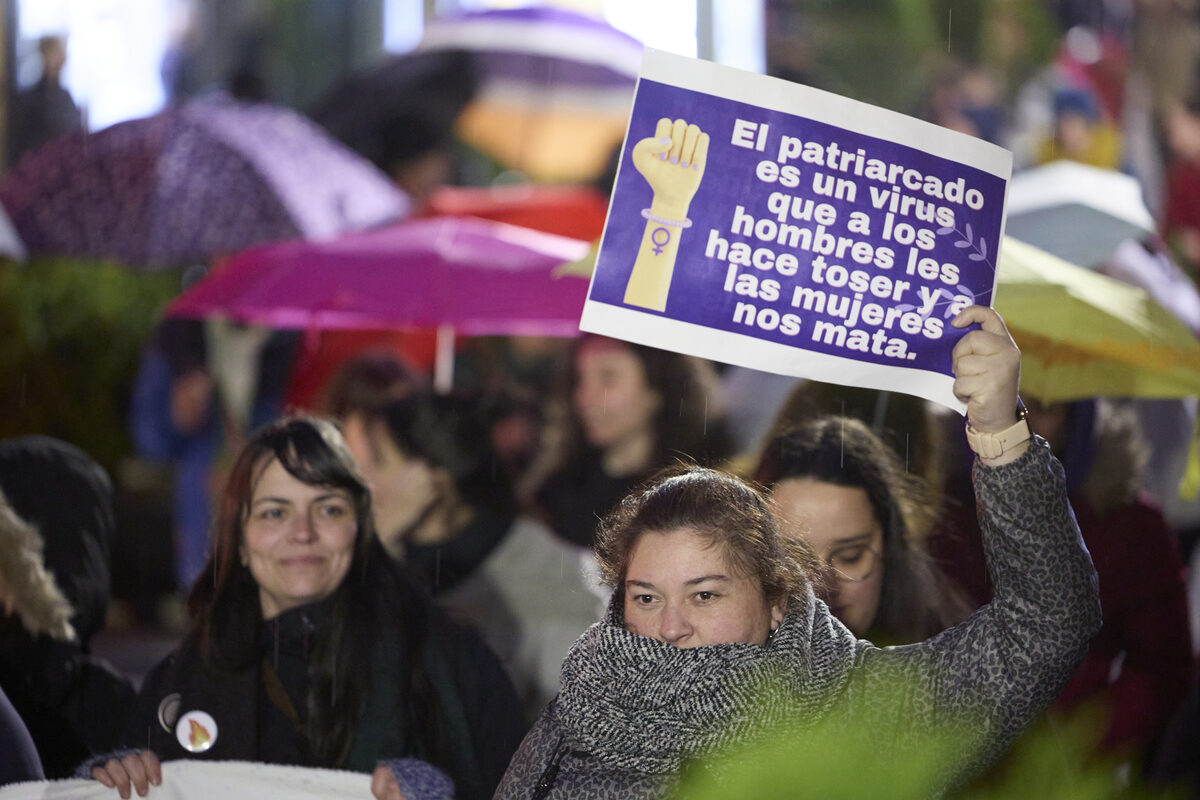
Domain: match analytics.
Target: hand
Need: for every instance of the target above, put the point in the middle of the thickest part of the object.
(142, 770)
(987, 369)
(191, 396)
(384, 785)
(672, 162)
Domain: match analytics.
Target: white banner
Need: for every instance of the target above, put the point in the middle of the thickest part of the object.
(213, 780)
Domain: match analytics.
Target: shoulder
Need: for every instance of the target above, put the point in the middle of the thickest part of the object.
(529, 762)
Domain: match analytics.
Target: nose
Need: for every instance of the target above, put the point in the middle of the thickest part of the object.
(674, 625)
(589, 395)
(304, 527)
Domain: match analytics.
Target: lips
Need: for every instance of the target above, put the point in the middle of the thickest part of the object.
(302, 561)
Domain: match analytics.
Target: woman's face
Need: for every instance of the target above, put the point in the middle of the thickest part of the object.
(402, 488)
(298, 540)
(680, 589)
(611, 397)
(837, 522)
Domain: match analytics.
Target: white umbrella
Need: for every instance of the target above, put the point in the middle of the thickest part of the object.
(1076, 212)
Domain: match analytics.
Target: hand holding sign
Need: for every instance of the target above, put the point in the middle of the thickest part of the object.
(672, 162)
(987, 370)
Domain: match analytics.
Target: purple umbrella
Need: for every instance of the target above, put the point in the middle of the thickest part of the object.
(460, 275)
(554, 87)
(203, 180)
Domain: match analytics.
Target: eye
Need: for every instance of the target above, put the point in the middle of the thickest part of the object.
(643, 599)
(706, 597)
(334, 510)
(848, 557)
(270, 514)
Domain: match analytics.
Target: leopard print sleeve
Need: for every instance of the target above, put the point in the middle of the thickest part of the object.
(1007, 662)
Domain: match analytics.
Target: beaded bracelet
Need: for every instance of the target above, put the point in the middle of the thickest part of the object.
(685, 223)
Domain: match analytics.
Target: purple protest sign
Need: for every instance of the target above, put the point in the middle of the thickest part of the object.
(774, 226)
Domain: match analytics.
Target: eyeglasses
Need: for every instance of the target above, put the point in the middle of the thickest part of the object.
(854, 563)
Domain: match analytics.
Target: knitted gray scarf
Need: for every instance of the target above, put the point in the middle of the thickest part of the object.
(636, 703)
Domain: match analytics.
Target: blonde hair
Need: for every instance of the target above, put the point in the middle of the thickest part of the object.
(36, 598)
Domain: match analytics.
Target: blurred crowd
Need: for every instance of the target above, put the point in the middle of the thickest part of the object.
(484, 501)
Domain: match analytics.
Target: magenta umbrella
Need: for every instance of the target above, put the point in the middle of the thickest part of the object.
(468, 276)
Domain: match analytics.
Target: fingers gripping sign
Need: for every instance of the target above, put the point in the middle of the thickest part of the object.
(136, 772)
(672, 162)
(987, 370)
(384, 785)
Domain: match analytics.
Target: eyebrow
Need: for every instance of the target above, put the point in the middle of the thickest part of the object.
(853, 540)
(285, 501)
(692, 582)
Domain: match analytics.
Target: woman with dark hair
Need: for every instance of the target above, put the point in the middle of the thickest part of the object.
(711, 602)
(306, 646)
(838, 487)
(444, 507)
(630, 410)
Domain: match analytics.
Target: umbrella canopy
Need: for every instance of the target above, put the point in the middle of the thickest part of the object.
(1076, 212)
(476, 276)
(577, 212)
(555, 87)
(1083, 334)
(202, 180)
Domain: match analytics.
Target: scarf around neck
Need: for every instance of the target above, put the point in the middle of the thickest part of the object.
(636, 703)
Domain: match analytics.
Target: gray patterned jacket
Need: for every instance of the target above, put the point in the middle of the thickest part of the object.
(1005, 663)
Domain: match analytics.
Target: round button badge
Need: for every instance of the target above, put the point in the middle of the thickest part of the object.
(196, 731)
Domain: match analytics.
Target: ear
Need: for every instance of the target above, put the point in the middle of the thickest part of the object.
(777, 613)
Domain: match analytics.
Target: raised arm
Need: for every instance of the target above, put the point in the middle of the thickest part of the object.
(1006, 662)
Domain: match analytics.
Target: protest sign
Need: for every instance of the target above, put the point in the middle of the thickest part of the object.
(774, 226)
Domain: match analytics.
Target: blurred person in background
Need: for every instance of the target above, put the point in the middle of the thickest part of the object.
(44, 111)
(177, 416)
(364, 383)
(1181, 225)
(908, 426)
(1080, 132)
(842, 490)
(444, 506)
(55, 557)
(1140, 665)
(629, 410)
(307, 646)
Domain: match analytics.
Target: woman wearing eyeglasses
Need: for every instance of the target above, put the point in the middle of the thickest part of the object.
(842, 490)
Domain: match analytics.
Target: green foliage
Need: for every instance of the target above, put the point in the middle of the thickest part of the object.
(878, 755)
(70, 335)
(1056, 761)
(875, 755)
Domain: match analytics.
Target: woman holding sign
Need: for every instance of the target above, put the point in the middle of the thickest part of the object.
(711, 605)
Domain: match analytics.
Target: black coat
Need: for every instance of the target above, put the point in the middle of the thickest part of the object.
(481, 715)
(73, 704)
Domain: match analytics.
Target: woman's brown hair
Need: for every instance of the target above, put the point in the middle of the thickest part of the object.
(226, 614)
